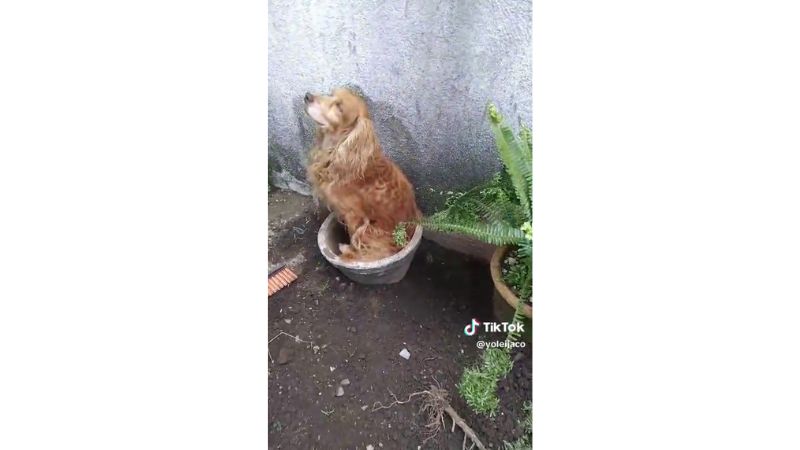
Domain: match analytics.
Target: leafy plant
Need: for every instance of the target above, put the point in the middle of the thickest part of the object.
(478, 384)
(477, 387)
(517, 274)
(496, 362)
(497, 212)
(524, 442)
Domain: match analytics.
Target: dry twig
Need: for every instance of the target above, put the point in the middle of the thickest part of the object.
(281, 333)
(396, 401)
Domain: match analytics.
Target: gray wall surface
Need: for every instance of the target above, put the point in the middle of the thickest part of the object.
(427, 69)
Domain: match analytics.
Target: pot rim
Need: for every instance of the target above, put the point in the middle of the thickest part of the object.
(365, 265)
(500, 285)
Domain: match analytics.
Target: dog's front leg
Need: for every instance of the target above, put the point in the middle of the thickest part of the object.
(356, 239)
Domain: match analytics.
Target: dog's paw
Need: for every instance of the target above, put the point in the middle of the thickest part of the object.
(346, 252)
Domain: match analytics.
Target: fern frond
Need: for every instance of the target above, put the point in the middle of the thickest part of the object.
(527, 141)
(499, 209)
(495, 233)
(526, 251)
(518, 319)
(513, 157)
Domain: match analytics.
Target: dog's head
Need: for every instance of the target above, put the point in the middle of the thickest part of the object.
(338, 111)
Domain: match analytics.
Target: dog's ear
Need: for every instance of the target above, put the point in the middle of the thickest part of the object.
(351, 106)
(337, 103)
(359, 147)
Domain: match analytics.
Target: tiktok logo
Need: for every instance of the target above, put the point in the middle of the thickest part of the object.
(472, 328)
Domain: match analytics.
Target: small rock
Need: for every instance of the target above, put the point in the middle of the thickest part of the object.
(283, 356)
(362, 356)
(339, 391)
(364, 408)
(352, 329)
(288, 321)
(333, 368)
(370, 447)
(405, 354)
(345, 382)
(316, 349)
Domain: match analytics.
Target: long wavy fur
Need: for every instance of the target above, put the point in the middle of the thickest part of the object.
(350, 173)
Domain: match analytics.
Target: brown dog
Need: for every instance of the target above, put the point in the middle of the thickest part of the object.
(348, 170)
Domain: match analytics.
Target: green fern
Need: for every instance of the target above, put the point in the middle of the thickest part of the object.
(497, 212)
(497, 233)
(517, 274)
(518, 319)
(516, 157)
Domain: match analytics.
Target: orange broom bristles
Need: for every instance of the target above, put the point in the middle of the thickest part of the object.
(279, 279)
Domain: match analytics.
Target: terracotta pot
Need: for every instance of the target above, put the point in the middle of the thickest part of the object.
(502, 291)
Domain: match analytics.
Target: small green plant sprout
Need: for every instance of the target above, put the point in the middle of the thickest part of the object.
(479, 384)
(496, 362)
(478, 389)
(399, 235)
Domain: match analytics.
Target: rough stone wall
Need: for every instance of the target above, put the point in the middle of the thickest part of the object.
(427, 69)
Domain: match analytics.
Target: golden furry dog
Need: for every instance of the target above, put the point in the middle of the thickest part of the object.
(368, 193)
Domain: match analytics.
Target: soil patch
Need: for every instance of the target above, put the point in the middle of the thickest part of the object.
(356, 332)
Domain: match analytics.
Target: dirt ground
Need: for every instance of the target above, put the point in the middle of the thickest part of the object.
(356, 332)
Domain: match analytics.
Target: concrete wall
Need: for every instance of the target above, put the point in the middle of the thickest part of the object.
(427, 68)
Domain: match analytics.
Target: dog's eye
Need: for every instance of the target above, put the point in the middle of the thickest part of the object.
(338, 105)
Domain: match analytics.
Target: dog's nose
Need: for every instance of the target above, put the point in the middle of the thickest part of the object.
(308, 98)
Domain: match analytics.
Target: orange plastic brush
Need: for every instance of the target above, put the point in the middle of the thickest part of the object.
(279, 279)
